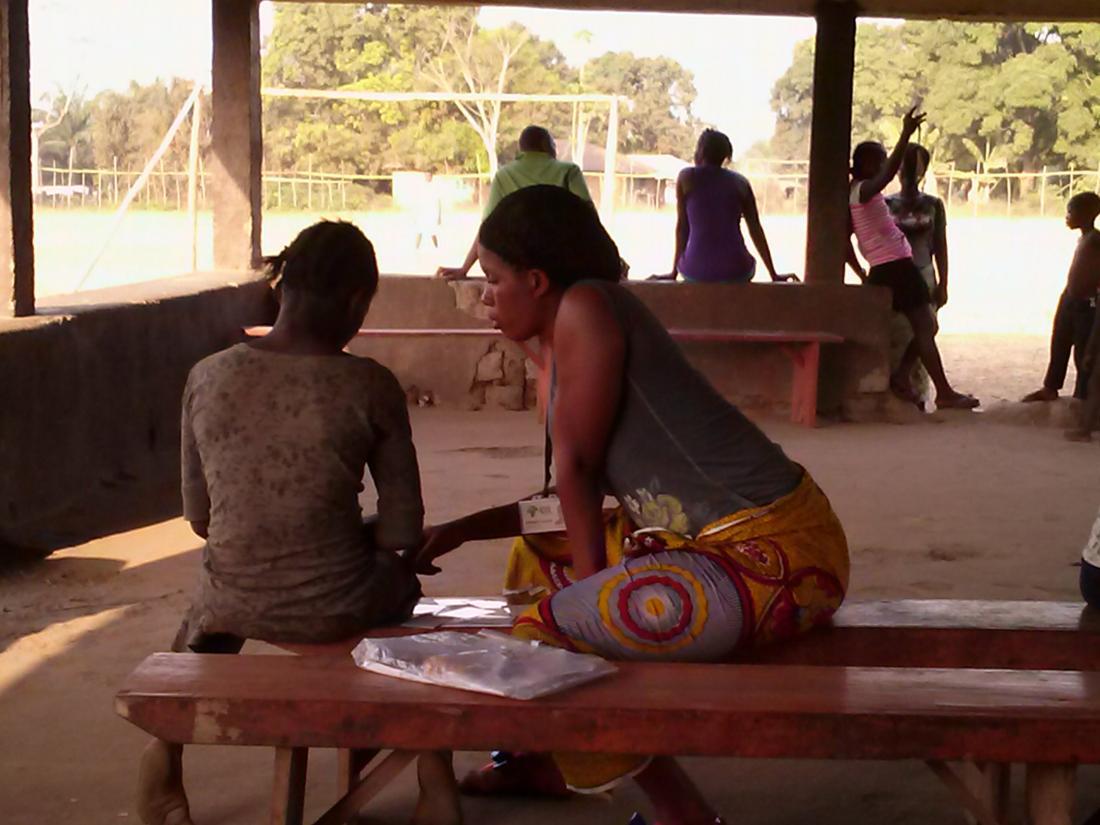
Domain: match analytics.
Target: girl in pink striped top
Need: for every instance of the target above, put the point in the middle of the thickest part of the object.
(891, 261)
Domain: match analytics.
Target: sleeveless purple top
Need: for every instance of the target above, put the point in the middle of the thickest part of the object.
(715, 250)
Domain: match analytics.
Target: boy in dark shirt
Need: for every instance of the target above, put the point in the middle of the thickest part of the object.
(1076, 312)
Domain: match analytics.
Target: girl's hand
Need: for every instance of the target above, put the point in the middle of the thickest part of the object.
(912, 121)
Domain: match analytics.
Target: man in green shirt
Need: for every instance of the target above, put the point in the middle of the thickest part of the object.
(536, 164)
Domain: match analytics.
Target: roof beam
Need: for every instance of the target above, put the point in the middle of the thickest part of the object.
(974, 10)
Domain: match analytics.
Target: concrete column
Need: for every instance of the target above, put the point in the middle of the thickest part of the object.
(237, 141)
(16, 201)
(830, 142)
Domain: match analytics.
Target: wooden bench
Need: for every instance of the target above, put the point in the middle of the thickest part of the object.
(1046, 720)
(802, 348)
(931, 633)
(938, 643)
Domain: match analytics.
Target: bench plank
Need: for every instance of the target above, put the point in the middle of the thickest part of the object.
(708, 710)
(943, 633)
(928, 633)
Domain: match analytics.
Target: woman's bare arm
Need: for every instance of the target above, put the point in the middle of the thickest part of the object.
(869, 188)
(589, 351)
(756, 230)
(683, 228)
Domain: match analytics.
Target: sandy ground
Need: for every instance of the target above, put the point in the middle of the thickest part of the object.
(993, 505)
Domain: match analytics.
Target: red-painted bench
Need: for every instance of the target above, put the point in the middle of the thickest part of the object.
(1046, 720)
(802, 348)
(986, 684)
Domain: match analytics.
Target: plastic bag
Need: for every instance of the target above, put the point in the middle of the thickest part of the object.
(486, 662)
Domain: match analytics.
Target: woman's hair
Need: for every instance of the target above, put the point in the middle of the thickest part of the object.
(330, 262)
(714, 147)
(549, 228)
(865, 150)
(914, 153)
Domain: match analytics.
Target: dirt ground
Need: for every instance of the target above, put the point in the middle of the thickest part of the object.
(989, 505)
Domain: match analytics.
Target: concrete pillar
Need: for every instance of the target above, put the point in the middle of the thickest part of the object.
(237, 142)
(830, 142)
(16, 200)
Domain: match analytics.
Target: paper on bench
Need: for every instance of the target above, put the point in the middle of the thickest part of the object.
(454, 611)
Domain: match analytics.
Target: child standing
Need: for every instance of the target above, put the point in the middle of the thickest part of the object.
(1073, 321)
(885, 248)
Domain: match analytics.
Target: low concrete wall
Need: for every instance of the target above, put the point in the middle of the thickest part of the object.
(90, 404)
(90, 391)
(854, 375)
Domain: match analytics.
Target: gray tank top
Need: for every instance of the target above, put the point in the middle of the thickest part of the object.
(681, 456)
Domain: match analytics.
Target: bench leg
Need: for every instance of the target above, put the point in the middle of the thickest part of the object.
(367, 788)
(350, 765)
(982, 790)
(990, 782)
(289, 795)
(805, 361)
(1050, 794)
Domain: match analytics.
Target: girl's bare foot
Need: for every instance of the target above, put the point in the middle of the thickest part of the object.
(956, 401)
(161, 798)
(1084, 436)
(438, 802)
(904, 390)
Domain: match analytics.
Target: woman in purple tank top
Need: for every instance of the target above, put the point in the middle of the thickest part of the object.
(710, 202)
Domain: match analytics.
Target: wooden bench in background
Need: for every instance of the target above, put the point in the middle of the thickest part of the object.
(984, 683)
(802, 348)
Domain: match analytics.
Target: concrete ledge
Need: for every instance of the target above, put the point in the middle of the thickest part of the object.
(89, 434)
(756, 376)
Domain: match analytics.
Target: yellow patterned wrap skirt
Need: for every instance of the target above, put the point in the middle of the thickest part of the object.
(758, 576)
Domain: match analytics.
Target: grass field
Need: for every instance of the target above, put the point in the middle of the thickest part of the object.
(1006, 273)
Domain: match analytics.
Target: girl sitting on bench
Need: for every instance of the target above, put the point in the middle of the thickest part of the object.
(719, 541)
(276, 434)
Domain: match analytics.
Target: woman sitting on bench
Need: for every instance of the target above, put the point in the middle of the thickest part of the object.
(719, 542)
(276, 434)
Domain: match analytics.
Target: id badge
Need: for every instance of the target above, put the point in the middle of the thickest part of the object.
(541, 515)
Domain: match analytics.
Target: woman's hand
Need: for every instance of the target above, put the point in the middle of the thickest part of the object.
(439, 540)
(941, 295)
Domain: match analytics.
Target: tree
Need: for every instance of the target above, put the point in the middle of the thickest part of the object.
(476, 61)
(661, 92)
(998, 95)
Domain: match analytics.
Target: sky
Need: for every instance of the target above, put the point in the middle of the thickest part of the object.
(104, 44)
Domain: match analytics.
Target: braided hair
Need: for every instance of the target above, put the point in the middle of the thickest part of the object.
(328, 264)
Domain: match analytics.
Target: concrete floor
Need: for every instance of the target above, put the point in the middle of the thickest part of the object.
(955, 507)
